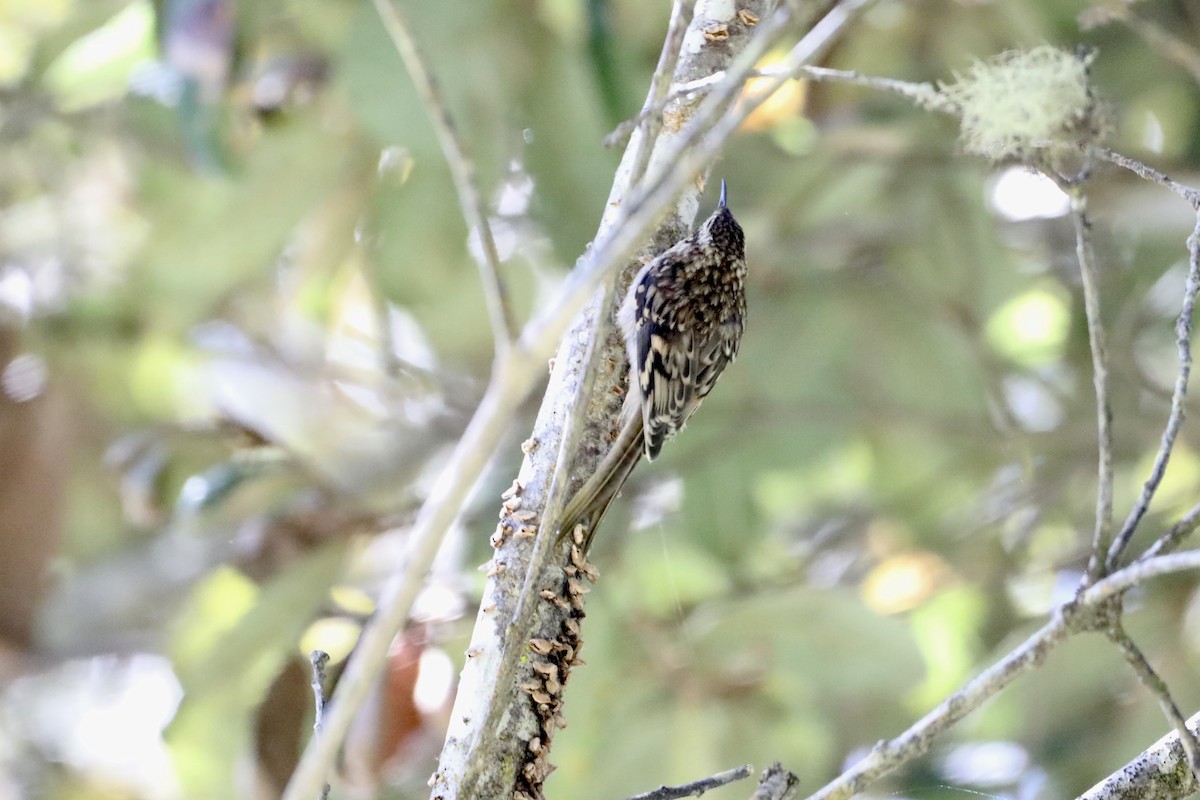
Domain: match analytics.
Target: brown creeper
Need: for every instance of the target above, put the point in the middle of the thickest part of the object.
(682, 321)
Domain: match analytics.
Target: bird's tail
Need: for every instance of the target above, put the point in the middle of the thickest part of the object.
(588, 505)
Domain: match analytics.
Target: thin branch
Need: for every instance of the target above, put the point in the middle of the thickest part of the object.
(1183, 336)
(710, 121)
(1183, 343)
(725, 91)
(511, 382)
(696, 788)
(318, 659)
(1138, 573)
(462, 170)
(1066, 620)
(1149, 173)
(1086, 256)
(1161, 771)
(728, 81)
(924, 95)
(1158, 687)
(1171, 539)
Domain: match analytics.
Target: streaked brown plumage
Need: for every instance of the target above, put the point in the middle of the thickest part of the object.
(682, 321)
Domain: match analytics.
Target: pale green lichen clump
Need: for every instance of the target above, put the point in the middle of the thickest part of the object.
(1035, 104)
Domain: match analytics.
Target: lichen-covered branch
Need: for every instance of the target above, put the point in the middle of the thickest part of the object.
(1161, 772)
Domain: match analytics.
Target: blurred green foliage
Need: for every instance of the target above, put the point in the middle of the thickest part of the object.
(262, 327)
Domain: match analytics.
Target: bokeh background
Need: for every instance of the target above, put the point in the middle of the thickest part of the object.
(240, 325)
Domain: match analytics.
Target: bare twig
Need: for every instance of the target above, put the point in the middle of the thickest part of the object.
(512, 380)
(1149, 173)
(1161, 772)
(1066, 620)
(1183, 343)
(710, 121)
(1171, 539)
(923, 94)
(1138, 573)
(1158, 687)
(319, 659)
(696, 788)
(1086, 257)
(504, 325)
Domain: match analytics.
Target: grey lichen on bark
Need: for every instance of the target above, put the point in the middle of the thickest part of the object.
(522, 650)
(1161, 772)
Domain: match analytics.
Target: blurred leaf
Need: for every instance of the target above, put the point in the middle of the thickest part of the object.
(97, 67)
(663, 579)
(1031, 328)
(807, 637)
(196, 258)
(945, 631)
(228, 649)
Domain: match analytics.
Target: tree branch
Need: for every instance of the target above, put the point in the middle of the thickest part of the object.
(1086, 256)
(1158, 687)
(1171, 539)
(1149, 173)
(710, 120)
(923, 94)
(1183, 337)
(1158, 773)
(695, 788)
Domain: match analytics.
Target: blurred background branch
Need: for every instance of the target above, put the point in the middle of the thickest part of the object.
(474, 212)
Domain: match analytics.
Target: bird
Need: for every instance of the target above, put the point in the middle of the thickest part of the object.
(682, 320)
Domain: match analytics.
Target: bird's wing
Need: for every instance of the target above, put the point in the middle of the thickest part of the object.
(715, 354)
(666, 356)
